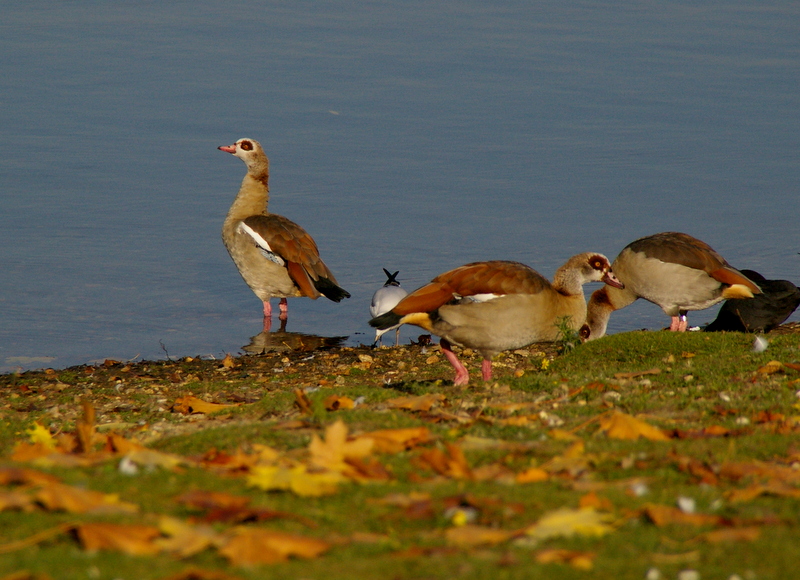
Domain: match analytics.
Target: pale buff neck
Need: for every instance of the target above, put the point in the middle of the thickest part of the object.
(602, 303)
(570, 278)
(253, 197)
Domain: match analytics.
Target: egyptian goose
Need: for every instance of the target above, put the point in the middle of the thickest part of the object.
(673, 270)
(777, 301)
(385, 298)
(275, 256)
(496, 306)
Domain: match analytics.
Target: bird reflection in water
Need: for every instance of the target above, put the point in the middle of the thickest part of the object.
(282, 341)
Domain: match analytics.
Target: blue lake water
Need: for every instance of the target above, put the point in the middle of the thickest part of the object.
(415, 136)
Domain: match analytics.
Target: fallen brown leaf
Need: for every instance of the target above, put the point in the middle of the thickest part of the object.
(574, 558)
(662, 515)
(200, 574)
(250, 546)
(621, 376)
(61, 497)
(419, 403)
(190, 405)
(397, 440)
(134, 539)
(471, 535)
(750, 534)
(336, 402)
(452, 464)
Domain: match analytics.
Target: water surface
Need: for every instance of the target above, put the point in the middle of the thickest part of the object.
(414, 136)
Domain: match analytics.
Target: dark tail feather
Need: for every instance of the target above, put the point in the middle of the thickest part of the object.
(385, 321)
(391, 278)
(330, 290)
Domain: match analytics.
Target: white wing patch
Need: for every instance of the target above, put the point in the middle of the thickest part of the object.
(476, 297)
(262, 244)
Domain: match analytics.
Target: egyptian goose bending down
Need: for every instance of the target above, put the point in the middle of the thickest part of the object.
(385, 298)
(673, 270)
(777, 301)
(275, 256)
(496, 306)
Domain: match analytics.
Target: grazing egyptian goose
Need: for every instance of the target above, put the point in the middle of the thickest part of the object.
(496, 306)
(385, 298)
(777, 301)
(275, 256)
(673, 270)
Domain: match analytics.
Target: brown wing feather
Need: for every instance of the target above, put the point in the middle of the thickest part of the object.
(296, 247)
(730, 276)
(679, 248)
(495, 277)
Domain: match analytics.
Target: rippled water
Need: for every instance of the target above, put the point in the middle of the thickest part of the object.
(415, 136)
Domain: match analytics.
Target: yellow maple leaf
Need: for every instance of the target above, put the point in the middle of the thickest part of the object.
(331, 452)
(621, 426)
(570, 522)
(40, 434)
(296, 479)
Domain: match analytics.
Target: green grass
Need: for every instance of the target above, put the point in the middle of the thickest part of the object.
(703, 380)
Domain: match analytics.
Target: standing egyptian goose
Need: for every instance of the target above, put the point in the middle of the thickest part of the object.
(275, 256)
(385, 298)
(496, 306)
(673, 270)
(777, 301)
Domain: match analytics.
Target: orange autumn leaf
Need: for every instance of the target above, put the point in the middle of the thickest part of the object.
(85, 428)
(748, 534)
(24, 476)
(662, 515)
(209, 500)
(397, 440)
(15, 500)
(252, 546)
(574, 558)
(621, 426)
(335, 403)
(418, 403)
(776, 488)
(452, 464)
(194, 573)
(470, 535)
(593, 500)
(303, 402)
(134, 539)
(61, 497)
(771, 367)
(190, 405)
(228, 362)
(184, 540)
(118, 444)
(532, 475)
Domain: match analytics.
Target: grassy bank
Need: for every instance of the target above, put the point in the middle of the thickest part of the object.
(640, 452)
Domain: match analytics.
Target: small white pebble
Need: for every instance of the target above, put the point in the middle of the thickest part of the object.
(639, 489)
(688, 575)
(653, 574)
(760, 344)
(686, 504)
(725, 397)
(742, 421)
(128, 467)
